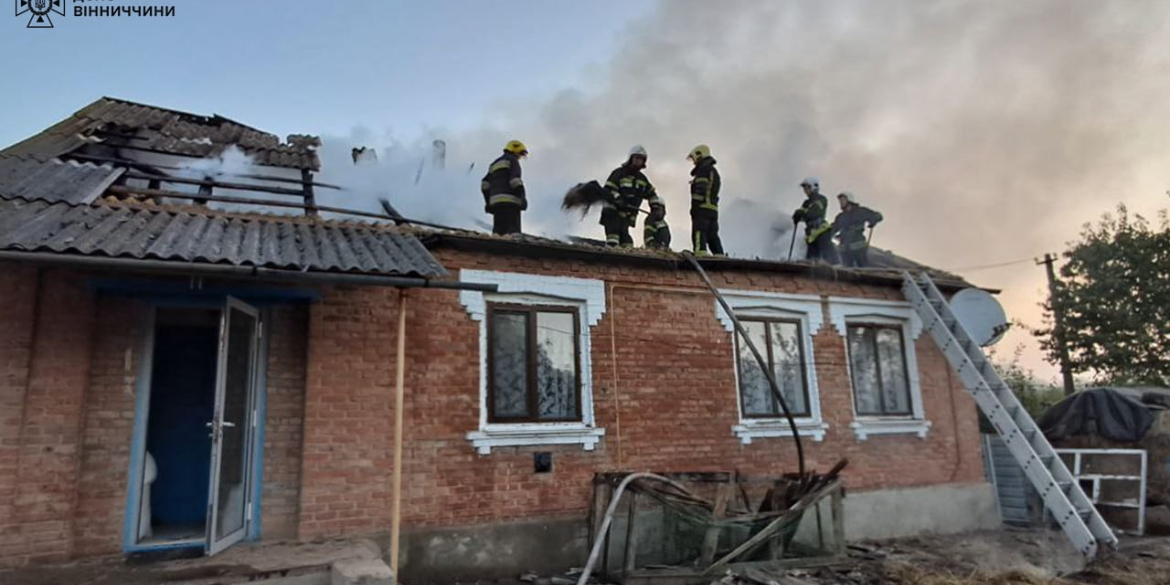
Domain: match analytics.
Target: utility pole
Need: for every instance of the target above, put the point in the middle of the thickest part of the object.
(1058, 326)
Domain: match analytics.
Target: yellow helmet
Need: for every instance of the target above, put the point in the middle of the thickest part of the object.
(699, 152)
(516, 147)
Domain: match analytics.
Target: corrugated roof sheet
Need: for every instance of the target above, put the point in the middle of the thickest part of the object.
(171, 131)
(53, 180)
(293, 243)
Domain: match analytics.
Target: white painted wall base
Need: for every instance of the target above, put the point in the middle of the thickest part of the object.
(896, 513)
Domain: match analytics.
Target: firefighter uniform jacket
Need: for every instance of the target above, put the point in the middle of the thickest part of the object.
(502, 184)
(705, 186)
(850, 226)
(627, 187)
(812, 213)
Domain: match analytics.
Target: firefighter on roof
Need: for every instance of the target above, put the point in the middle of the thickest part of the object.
(705, 202)
(816, 228)
(503, 190)
(655, 232)
(849, 226)
(626, 187)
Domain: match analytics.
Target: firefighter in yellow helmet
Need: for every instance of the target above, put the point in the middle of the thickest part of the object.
(705, 202)
(503, 190)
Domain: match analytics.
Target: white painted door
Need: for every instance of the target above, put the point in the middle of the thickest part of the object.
(229, 503)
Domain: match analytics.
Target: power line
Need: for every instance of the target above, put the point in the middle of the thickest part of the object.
(990, 266)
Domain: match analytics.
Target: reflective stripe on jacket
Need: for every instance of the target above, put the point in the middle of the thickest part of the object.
(627, 187)
(502, 183)
(705, 185)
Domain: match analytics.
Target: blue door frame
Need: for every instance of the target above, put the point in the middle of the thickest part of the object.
(142, 389)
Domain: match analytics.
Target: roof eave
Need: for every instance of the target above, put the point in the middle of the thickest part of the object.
(455, 241)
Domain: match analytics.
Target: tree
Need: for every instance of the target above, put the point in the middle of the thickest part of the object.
(1114, 294)
(1035, 394)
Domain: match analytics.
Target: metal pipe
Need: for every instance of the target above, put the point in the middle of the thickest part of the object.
(768, 374)
(186, 268)
(613, 503)
(399, 376)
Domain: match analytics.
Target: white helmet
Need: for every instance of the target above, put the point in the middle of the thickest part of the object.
(849, 196)
(811, 182)
(637, 149)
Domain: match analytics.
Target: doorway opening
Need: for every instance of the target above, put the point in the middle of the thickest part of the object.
(199, 437)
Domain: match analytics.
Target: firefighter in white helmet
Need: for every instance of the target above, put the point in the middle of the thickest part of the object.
(849, 227)
(816, 227)
(627, 186)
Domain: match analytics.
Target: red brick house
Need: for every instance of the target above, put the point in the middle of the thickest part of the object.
(131, 326)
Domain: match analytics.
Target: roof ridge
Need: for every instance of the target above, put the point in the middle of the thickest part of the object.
(211, 116)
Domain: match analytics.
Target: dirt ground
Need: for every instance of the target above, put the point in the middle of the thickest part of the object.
(1005, 557)
(1002, 557)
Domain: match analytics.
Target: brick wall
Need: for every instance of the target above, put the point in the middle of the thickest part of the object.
(666, 398)
(674, 395)
(347, 448)
(17, 306)
(67, 396)
(109, 425)
(51, 418)
(287, 344)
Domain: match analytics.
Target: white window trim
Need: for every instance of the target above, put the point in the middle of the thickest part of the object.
(588, 296)
(806, 309)
(846, 310)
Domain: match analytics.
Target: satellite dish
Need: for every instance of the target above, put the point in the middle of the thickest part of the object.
(981, 315)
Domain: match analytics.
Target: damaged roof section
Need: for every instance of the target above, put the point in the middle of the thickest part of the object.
(124, 124)
(55, 180)
(200, 235)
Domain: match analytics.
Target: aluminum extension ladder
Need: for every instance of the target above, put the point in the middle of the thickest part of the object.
(1063, 497)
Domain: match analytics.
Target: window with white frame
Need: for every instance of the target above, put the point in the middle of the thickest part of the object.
(535, 382)
(779, 344)
(781, 327)
(877, 358)
(879, 341)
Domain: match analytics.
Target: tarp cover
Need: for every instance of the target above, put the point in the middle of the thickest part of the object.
(1102, 412)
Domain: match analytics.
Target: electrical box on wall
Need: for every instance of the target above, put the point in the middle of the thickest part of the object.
(542, 462)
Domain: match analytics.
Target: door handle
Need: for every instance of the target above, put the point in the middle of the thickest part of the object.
(229, 424)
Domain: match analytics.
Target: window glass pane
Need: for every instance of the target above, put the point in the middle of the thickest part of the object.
(863, 361)
(509, 351)
(753, 385)
(556, 366)
(787, 359)
(895, 389)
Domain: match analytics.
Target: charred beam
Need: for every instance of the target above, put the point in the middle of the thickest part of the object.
(307, 192)
(211, 183)
(135, 163)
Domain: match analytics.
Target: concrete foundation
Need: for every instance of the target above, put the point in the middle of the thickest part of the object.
(553, 546)
(944, 509)
(494, 550)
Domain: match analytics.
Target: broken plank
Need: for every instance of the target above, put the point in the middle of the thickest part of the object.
(792, 514)
(711, 538)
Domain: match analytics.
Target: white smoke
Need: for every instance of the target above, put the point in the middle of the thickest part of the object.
(431, 179)
(983, 131)
(225, 166)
